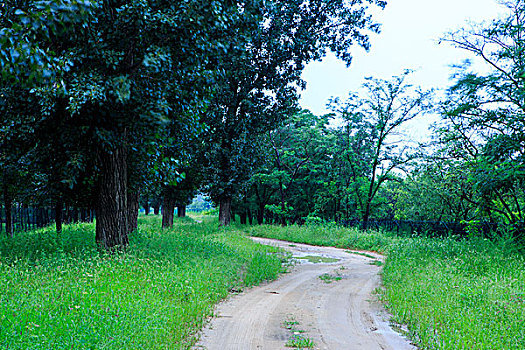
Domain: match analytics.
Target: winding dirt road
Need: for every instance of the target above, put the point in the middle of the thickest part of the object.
(330, 303)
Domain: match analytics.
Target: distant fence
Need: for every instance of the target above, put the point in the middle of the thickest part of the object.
(436, 229)
(29, 218)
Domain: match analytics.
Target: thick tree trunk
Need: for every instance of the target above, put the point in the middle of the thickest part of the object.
(8, 203)
(133, 210)
(168, 208)
(225, 206)
(58, 216)
(181, 211)
(111, 206)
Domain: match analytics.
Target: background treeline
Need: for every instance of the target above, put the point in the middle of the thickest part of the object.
(111, 105)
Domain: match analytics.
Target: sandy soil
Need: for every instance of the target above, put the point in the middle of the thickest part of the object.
(339, 315)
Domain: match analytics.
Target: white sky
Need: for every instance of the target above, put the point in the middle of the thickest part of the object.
(408, 40)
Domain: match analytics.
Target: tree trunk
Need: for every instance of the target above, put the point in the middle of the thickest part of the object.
(260, 215)
(133, 210)
(111, 204)
(225, 211)
(283, 205)
(146, 206)
(58, 215)
(366, 215)
(168, 208)
(75, 215)
(156, 209)
(181, 211)
(250, 217)
(243, 217)
(8, 203)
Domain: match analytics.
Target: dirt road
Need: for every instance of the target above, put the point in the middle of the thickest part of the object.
(326, 298)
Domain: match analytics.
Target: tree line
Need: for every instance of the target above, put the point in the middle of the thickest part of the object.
(104, 99)
(115, 104)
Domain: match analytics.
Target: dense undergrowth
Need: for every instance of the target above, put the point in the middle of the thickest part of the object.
(61, 293)
(451, 293)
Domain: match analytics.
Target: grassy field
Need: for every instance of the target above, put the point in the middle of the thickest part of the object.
(452, 294)
(61, 293)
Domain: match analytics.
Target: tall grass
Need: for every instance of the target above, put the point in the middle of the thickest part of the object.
(451, 293)
(326, 235)
(59, 292)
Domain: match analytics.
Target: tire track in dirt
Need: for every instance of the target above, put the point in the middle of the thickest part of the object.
(337, 313)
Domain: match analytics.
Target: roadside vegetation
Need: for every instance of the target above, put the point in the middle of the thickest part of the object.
(329, 235)
(451, 293)
(60, 292)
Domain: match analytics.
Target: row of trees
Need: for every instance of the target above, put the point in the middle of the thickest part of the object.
(102, 100)
(109, 104)
(472, 170)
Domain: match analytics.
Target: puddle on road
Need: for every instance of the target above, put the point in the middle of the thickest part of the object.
(316, 259)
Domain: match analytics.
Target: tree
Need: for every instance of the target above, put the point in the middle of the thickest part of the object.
(374, 151)
(266, 45)
(295, 149)
(483, 115)
(122, 71)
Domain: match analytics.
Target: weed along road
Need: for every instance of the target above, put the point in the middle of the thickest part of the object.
(325, 301)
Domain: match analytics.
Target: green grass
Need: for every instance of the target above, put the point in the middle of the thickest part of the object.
(452, 294)
(61, 293)
(297, 339)
(327, 278)
(327, 235)
(299, 342)
(457, 295)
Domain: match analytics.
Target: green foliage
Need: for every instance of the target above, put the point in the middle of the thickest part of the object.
(266, 45)
(59, 292)
(482, 116)
(370, 137)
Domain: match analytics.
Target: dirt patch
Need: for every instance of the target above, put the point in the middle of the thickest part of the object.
(332, 301)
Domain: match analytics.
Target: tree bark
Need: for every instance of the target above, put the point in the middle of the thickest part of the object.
(181, 211)
(168, 208)
(111, 204)
(225, 211)
(133, 210)
(58, 215)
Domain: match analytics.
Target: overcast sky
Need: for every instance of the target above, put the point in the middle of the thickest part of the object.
(408, 40)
